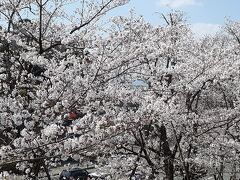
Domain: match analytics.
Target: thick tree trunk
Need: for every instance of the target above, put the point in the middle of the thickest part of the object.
(167, 153)
(169, 168)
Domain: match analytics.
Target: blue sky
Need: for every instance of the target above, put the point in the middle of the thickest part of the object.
(205, 15)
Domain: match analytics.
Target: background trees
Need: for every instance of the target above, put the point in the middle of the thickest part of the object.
(131, 97)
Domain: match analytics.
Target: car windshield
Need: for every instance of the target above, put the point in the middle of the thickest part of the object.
(65, 174)
(75, 173)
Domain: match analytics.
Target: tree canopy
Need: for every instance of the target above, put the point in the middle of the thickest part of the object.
(67, 90)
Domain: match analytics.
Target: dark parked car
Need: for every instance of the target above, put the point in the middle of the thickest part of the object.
(74, 174)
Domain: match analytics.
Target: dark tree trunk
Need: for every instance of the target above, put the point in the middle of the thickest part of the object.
(167, 153)
(169, 168)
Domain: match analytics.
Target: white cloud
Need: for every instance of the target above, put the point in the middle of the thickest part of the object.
(178, 3)
(201, 29)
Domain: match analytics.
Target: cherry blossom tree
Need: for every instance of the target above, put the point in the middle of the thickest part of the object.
(134, 99)
(53, 81)
(187, 109)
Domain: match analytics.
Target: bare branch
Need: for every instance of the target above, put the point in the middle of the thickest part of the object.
(91, 19)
